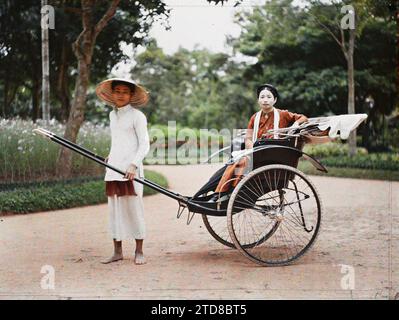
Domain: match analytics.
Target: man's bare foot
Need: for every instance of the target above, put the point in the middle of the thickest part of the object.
(139, 258)
(114, 258)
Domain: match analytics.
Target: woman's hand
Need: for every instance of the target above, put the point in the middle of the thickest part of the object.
(301, 120)
(248, 143)
(130, 172)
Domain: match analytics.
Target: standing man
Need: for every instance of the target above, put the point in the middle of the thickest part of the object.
(129, 145)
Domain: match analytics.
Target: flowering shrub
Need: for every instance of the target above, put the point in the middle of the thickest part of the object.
(26, 156)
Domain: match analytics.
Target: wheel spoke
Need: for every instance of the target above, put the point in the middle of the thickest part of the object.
(266, 217)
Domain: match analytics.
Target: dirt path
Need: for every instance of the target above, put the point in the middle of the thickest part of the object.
(359, 236)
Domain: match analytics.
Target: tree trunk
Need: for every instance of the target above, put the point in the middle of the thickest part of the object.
(62, 82)
(36, 99)
(75, 119)
(351, 89)
(10, 91)
(45, 72)
(397, 55)
(5, 95)
(83, 49)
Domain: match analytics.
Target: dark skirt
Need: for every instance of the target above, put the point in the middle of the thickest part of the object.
(119, 188)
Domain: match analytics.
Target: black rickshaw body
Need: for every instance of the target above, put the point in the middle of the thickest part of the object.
(265, 152)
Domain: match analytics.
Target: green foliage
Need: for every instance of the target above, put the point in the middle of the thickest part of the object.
(345, 172)
(291, 50)
(302, 59)
(20, 27)
(201, 89)
(335, 154)
(25, 156)
(198, 88)
(182, 145)
(202, 136)
(156, 178)
(330, 149)
(7, 186)
(373, 161)
(60, 195)
(52, 198)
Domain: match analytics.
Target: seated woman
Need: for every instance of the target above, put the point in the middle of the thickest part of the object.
(268, 117)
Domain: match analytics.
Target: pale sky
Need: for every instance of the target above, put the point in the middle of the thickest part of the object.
(195, 22)
(199, 22)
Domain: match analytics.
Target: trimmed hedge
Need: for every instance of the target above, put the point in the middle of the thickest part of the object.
(156, 178)
(47, 183)
(62, 195)
(353, 173)
(335, 154)
(374, 161)
(330, 149)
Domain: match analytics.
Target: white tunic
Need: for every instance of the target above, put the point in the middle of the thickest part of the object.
(129, 141)
(129, 144)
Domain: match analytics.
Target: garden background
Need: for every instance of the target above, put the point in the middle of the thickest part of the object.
(292, 45)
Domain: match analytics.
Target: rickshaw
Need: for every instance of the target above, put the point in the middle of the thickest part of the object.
(273, 213)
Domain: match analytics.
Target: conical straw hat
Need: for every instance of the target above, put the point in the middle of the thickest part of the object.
(139, 98)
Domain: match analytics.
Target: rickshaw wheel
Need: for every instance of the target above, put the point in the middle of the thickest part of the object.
(218, 229)
(270, 194)
(216, 226)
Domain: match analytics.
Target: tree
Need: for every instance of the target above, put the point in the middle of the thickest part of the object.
(16, 19)
(196, 88)
(287, 53)
(351, 22)
(45, 59)
(293, 51)
(20, 27)
(102, 28)
(83, 48)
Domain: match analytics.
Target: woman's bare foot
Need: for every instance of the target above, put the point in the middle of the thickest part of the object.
(114, 258)
(139, 258)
